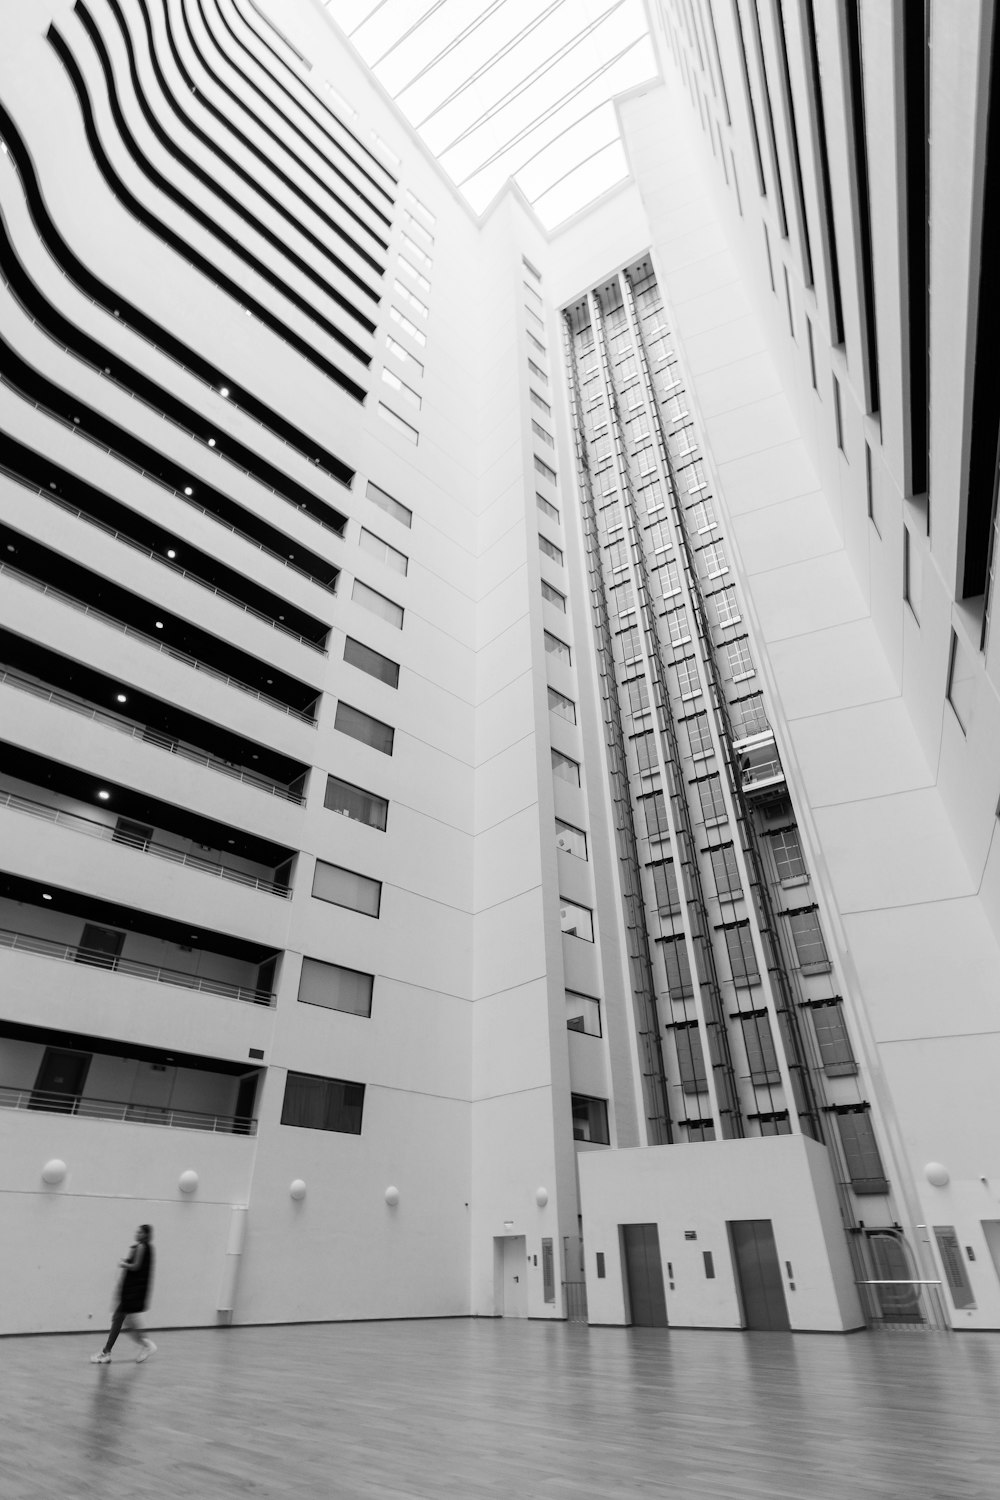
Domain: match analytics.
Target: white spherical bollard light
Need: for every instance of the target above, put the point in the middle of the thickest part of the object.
(187, 1182)
(54, 1172)
(297, 1190)
(936, 1174)
(541, 1196)
(392, 1196)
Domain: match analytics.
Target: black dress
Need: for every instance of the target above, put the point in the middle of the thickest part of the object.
(137, 1284)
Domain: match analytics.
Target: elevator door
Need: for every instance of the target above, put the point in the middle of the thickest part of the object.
(758, 1275)
(644, 1275)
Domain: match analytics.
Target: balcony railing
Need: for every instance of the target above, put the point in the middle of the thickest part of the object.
(112, 835)
(134, 1114)
(154, 645)
(71, 953)
(759, 772)
(149, 736)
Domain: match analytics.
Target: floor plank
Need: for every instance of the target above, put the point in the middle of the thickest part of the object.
(478, 1408)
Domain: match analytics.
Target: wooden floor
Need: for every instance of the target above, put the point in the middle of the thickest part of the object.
(467, 1408)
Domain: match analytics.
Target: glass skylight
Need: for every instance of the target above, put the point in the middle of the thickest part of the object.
(510, 88)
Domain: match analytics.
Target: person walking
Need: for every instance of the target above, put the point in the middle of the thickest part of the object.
(133, 1297)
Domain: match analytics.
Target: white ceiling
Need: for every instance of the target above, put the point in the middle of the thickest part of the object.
(510, 88)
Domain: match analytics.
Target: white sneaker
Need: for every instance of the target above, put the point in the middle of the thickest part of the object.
(100, 1359)
(148, 1348)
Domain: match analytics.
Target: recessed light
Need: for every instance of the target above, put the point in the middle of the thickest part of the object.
(230, 841)
(104, 796)
(46, 896)
(224, 390)
(188, 490)
(11, 547)
(171, 552)
(159, 624)
(121, 698)
(211, 442)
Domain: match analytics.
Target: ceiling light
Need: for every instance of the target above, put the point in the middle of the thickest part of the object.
(104, 796)
(211, 442)
(120, 698)
(224, 390)
(188, 490)
(46, 896)
(159, 624)
(171, 552)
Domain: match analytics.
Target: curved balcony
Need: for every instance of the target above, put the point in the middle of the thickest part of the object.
(72, 953)
(114, 1109)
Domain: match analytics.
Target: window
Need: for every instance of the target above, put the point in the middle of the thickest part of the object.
(420, 207)
(547, 508)
(415, 227)
(725, 607)
(413, 249)
(396, 422)
(410, 299)
(688, 683)
(807, 935)
(699, 735)
(678, 629)
(538, 372)
(544, 470)
(911, 576)
(861, 1153)
(678, 968)
(694, 476)
(658, 537)
(409, 360)
(411, 328)
(346, 888)
(726, 872)
(375, 547)
(742, 958)
(561, 705)
(536, 343)
(838, 416)
(638, 695)
(644, 747)
(690, 1058)
(315, 1103)
(576, 921)
(788, 303)
(534, 296)
(739, 660)
(770, 263)
(335, 988)
(583, 1013)
(832, 1040)
(961, 682)
(565, 768)
(812, 355)
(668, 896)
(701, 516)
(363, 727)
(389, 505)
(590, 1120)
(748, 716)
(550, 549)
(354, 802)
(379, 605)
(714, 560)
(373, 662)
(668, 578)
(535, 317)
(406, 391)
(553, 596)
(787, 851)
(540, 432)
(870, 490)
(411, 270)
(759, 1044)
(571, 840)
(557, 648)
(526, 263)
(542, 405)
(654, 809)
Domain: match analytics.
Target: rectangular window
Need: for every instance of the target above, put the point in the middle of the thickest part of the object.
(410, 299)
(547, 508)
(678, 968)
(375, 547)
(557, 648)
(748, 716)
(421, 208)
(363, 727)
(534, 296)
(543, 468)
(391, 507)
(583, 1013)
(787, 851)
(354, 802)
(576, 921)
(346, 888)
(870, 489)
(654, 809)
(416, 227)
(688, 682)
(658, 537)
(759, 1044)
(812, 355)
(678, 627)
(807, 935)
(912, 577)
(638, 695)
(571, 840)
(726, 872)
(838, 416)
(832, 1040)
(526, 263)
(565, 768)
(416, 251)
(701, 517)
(323, 1103)
(561, 705)
(536, 344)
(590, 1120)
(699, 735)
(379, 605)
(788, 303)
(714, 560)
(535, 317)
(405, 391)
(538, 372)
(739, 660)
(540, 432)
(550, 549)
(356, 654)
(725, 607)
(542, 405)
(690, 1058)
(770, 263)
(667, 893)
(397, 424)
(961, 682)
(411, 270)
(554, 597)
(742, 958)
(861, 1153)
(644, 747)
(408, 360)
(335, 988)
(404, 323)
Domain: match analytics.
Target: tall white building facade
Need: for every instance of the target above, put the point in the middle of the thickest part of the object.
(549, 672)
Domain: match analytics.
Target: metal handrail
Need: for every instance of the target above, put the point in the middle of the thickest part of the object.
(24, 942)
(149, 736)
(116, 1109)
(111, 834)
(157, 557)
(161, 646)
(763, 770)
